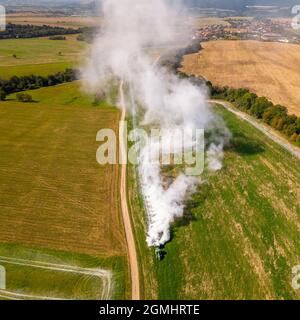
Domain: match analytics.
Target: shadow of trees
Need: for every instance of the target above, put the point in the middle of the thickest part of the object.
(244, 145)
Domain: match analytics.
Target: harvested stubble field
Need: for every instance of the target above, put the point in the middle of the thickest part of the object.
(267, 68)
(37, 51)
(240, 235)
(53, 192)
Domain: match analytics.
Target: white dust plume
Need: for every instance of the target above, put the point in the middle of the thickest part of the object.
(131, 29)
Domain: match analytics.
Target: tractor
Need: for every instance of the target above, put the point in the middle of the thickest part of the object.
(159, 253)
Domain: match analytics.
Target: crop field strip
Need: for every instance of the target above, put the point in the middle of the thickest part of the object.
(267, 68)
(65, 22)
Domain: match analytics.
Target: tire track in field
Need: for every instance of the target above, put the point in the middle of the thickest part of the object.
(262, 128)
(105, 275)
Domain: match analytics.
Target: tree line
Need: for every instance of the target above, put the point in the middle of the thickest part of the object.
(14, 31)
(275, 116)
(17, 84)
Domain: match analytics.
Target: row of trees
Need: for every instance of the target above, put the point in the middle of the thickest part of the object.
(32, 31)
(17, 84)
(261, 108)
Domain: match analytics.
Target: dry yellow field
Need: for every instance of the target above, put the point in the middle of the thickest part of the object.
(66, 22)
(267, 68)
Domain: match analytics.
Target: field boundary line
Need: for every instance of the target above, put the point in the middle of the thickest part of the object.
(105, 275)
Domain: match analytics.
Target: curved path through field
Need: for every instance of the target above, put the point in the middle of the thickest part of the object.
(132, 253)
(105, 275)
(261, 127)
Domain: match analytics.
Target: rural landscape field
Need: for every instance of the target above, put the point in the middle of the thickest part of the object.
(268, 69)
(77, 227)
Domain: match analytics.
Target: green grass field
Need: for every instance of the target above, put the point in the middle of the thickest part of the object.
(44, 70)
(240, 239)
(39, 56)
(56, 200)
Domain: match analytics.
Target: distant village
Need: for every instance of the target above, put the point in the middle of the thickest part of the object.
(249, 29)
